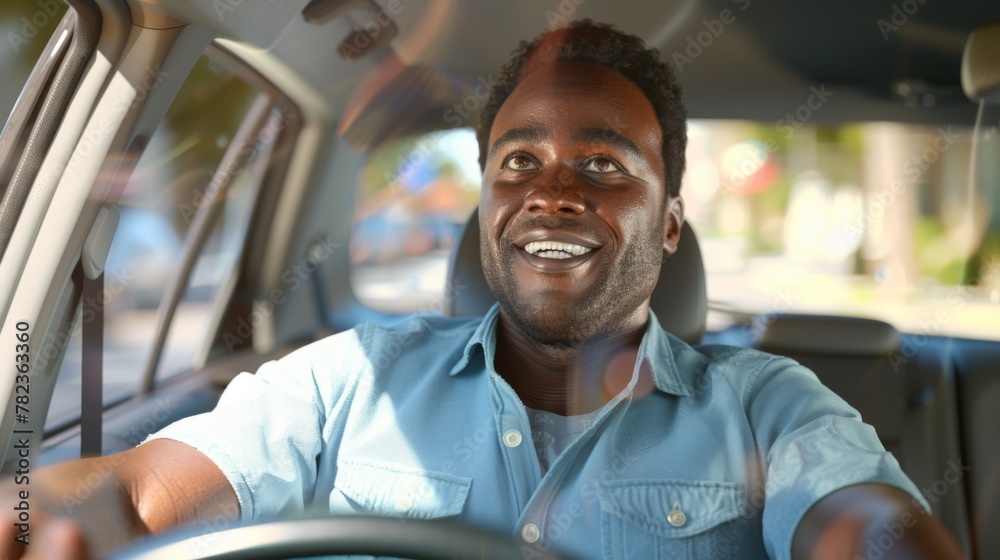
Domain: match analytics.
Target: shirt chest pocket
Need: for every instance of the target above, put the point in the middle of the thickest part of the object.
(660, 519)
(389, 491)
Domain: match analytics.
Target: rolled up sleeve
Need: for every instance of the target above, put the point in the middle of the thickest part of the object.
(814, 443)
(266, 432)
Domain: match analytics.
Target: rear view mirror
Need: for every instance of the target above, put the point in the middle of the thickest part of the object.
(981, 64)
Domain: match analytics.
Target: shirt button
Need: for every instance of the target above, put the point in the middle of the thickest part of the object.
(530, 533)
(677, 518)
(512, 438)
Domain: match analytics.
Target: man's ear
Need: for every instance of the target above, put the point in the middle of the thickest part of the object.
(673, 220)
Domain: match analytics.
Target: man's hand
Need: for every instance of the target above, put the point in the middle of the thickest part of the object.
(145, 490)
(844, 525)
(62, 539)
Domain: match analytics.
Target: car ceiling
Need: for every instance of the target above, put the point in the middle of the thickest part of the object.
(761, 66)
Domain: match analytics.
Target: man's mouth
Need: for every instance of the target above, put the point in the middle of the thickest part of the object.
(555, 249)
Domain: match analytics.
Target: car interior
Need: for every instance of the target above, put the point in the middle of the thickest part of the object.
(191, 188)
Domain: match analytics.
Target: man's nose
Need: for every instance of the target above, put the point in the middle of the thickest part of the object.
(556, 193)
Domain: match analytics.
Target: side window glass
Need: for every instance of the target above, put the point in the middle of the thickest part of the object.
(866, 219)
(199, 310)
(171, 181)
(414, 199)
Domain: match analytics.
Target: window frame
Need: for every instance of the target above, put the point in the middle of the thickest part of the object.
(57, 79)
(36, 87)
(271, 180)
(61, 83)
(268, 98)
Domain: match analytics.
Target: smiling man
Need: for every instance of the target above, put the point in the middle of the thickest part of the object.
(576, 214)
(566, 417)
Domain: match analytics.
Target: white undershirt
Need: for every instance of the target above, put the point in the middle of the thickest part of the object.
(552, 433)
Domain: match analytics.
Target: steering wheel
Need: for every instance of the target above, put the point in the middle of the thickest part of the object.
(374, 536)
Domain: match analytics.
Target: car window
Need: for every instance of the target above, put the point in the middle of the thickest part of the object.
(171, 181)
(859, 219)
(866, 219)
(414, 197)
(198, 311)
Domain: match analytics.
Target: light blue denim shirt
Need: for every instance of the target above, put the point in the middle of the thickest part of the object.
(710, 452)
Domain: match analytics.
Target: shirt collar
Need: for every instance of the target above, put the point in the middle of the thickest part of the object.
(483, 337)
(657, 347)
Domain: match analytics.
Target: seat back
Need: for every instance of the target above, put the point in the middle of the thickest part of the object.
(850, 356)
(978, 388)
(679, 299)
(909, 398)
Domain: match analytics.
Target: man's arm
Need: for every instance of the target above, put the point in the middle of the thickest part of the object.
(116, 498)
(871, 521)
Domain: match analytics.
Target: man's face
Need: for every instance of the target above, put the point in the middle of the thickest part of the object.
(574, 216)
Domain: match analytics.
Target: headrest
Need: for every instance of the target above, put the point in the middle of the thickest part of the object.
(679, 299)
(980, 64)
(822, 334)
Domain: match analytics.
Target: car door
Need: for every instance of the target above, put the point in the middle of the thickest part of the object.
(124, 274)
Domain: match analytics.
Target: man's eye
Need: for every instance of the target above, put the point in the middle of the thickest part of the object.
(520, 163)
(601, 165)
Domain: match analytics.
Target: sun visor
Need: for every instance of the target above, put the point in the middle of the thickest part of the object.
(397, 100)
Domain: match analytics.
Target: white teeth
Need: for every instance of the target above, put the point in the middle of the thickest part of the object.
(555, 249)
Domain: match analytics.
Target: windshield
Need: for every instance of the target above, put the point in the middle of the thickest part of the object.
(861, 219)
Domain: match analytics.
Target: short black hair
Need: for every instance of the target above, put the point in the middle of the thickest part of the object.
(602, 44)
